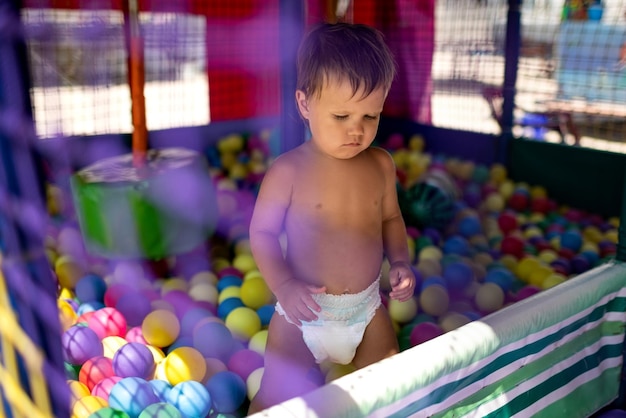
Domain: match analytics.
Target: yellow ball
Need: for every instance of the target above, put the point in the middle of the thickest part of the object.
(229, 292)
(434, 300)
(255, 293)
(526, 266)
(498, 173)
(244, 262)
(258, 342)
(160, 328)
(452, 321)
(430, 252)
(253, 382)
(489, 297)
(494, 202)
(111, 344)
(68, 271)
(509, 261)
(174, 283)
(538, 275)
(67, 315)
(402, 312)
(251, 274)
(506, 189)
(242, 246)
(243, 322)
(548, 255)
(184, 364)
(87, 405)
(204, 292)
(553, 280)
(429, 267)
(339, 370)
(157, 353)
(203, 277)
(78, 390)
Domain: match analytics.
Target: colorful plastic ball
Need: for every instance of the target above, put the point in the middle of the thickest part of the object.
(103, 387)
(183, 364)
(253, 383)
(108, 321)
(469, 226)
(80, 344)
(255, 292)
(580, 264)
(452, 321)
(456, 245)
(134, 360)
(553, 280)
(402, 312)
(191, 318)
(227, 390)
(243, 322)
(265, 314)
(191, 398)
(227, 306)
(424, 331)
(458, 275)
(115, 291)
(77, 390)
(161, 388)
(161, 410)
(90, 288)
(514, 245)
(571, 239)
(160, 328)
(229, 292)
(507, 221)
(213, 339)
(489, 297)
(68, 271)
(434, 300)
(134, 305)
(132, 395)
(84, 407)
(94, 370)
(258, 342)
(228, 281)
(519, 200)
(244, 362)
(500, 276)
(108, 412)
(135, 335)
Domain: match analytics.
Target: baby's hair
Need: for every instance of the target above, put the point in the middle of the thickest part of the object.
(353, 52)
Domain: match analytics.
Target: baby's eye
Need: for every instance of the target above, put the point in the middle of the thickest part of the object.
(370, 117)
(341, 117)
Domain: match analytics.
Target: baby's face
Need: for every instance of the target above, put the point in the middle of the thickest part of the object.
(342, 123)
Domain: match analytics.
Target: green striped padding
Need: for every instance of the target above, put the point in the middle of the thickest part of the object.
(558, 353)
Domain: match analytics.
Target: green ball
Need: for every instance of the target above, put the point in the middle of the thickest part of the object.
(108, 412)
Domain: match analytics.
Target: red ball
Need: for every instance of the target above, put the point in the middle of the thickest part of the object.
(507, 221)
(424, 331)
(513, 245)
(519, 201)
(540, 204)
(566, 253)
(95, 370)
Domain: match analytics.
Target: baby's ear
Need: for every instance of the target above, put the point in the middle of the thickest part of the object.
(303, 104)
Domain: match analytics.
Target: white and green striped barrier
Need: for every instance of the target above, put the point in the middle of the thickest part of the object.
(556, 354)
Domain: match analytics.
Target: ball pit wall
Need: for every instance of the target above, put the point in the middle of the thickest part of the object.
(557, 353)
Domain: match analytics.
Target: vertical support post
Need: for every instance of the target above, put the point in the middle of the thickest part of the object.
(621, 240)
(291, 28)
(511, 60)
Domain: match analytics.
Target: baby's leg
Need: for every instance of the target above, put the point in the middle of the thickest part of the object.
(379, 341)
(288, 365)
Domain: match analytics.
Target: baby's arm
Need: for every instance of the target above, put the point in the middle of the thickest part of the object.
(401, 277)
(266, 227)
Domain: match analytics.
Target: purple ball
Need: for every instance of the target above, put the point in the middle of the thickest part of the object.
(134, 360)
(244, 362)
(134, 306)
(81, 343)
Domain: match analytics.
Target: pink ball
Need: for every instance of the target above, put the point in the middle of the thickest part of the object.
(114, 292)
(107, 322)
(244, 362)
(103, 387)
(526, 291)
(423, 332)
(135, 335)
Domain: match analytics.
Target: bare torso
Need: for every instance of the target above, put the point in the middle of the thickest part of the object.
(334, 220)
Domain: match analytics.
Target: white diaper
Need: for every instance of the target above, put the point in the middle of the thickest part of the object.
(337, 332)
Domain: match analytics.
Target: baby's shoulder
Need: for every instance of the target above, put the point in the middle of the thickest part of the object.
(382, 156)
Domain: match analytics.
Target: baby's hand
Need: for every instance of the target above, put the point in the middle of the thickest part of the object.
(295, 298)
(402, 281)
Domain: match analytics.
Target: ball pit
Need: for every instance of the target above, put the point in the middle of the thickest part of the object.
(503, 242)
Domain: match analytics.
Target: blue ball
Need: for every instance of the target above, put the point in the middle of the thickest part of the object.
(161, 410)
(191, 398)
(265, 313)
(456, 245)
(572, 240)
(161, 388)
(227, 281)
(458, 275)
(227, 305)
(214, 340)
(227, 390)
(432, 280)
(89, 307)
(132, 395)
(90, 288)
(500, 276)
